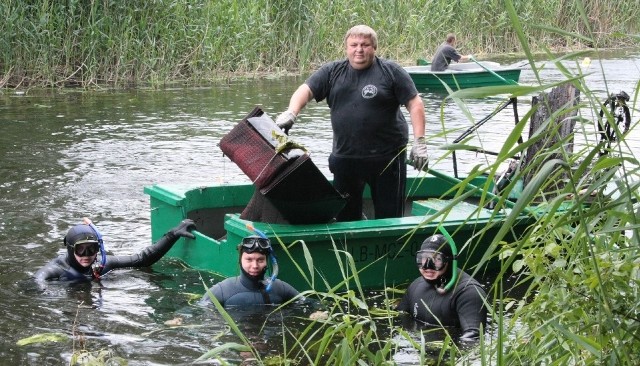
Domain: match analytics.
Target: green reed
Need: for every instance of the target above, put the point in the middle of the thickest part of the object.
(124, 44)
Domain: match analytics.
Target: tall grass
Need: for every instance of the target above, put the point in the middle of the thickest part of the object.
(124, 44)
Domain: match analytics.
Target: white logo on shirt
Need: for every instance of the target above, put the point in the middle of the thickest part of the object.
(369, 91)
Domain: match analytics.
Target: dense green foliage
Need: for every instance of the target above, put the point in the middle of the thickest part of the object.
(581, 261)
(124, 43)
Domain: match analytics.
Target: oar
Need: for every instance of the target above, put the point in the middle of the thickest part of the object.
(492, 72)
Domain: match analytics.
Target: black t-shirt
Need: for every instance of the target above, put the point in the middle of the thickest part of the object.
(365, 106)
(443, 57)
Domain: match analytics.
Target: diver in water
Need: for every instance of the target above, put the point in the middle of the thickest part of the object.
(444, 294)
(84, 242)
(251, 287)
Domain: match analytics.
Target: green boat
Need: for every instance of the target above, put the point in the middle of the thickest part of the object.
(374, 253)
(295, 207)
(464, 75)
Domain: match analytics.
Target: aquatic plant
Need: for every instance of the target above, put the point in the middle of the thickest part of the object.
(82, 355)
(580, 262)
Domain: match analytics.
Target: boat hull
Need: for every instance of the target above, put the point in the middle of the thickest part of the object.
(462, 76)
(371, 253)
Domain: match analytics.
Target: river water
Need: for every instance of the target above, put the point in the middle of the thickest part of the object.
(73, 154)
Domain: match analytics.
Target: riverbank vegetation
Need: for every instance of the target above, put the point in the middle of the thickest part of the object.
(154, 43)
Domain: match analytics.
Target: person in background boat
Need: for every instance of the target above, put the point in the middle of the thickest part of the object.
(370, 134)
(251, 287)
(84, 242)
(446, 53)
(428, 298)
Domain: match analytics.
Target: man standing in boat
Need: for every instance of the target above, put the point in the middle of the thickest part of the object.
(443, 294)
(447, 53)
(370, 134)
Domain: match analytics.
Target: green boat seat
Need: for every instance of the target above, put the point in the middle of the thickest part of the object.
(460, 211)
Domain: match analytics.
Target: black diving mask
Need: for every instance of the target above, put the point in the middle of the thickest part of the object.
(430, 259)
(86, 249)
(251, 244)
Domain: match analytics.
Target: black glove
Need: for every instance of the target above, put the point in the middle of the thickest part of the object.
(184, 229)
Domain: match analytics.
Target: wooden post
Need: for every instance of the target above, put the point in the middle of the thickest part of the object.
(557, 127)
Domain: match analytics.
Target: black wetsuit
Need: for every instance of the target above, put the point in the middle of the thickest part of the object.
(66, 268)
(370, 133)
(461, 306)
(243, 290)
